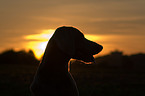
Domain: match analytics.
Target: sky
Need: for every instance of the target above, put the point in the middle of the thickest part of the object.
(115, 24)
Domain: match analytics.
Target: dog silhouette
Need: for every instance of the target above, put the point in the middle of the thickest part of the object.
(52, 77)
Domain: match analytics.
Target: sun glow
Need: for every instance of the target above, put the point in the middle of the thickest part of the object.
(43, 36)
(38, 42)
(93, 37)
(42, 46)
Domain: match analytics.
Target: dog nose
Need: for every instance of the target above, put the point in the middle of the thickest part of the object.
(92, 47)
(97, 48)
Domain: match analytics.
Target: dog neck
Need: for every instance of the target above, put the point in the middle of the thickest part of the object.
(54, 58)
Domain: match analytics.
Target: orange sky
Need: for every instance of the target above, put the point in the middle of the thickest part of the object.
(116, 24)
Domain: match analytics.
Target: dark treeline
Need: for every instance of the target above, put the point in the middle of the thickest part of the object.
(114, 59)
(18, 57)
(117, 59)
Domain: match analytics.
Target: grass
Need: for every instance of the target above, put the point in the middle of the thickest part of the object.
(92, 81)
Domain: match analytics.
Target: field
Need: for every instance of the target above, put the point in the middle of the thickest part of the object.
(91, 80)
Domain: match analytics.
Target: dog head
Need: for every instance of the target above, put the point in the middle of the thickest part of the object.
(72, 42)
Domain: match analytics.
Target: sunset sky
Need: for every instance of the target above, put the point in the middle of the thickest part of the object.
(115, 24)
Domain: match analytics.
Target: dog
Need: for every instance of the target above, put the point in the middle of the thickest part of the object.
(52, 77)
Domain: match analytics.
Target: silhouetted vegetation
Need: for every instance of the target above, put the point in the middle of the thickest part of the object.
(19, 57)
(117, 59)
(114, 74)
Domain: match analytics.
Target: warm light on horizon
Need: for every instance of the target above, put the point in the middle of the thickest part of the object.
(43, 36)
(38, 48)
(94, 37)
(38, 42)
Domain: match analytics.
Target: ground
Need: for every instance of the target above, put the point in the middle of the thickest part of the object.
(15, 80)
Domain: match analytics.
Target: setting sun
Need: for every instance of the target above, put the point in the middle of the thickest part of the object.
(42, 46)
(38, 42)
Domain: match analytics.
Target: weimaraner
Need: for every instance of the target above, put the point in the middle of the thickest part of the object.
(52, 77)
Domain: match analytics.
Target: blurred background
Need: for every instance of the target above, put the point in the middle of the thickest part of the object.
(26, 26)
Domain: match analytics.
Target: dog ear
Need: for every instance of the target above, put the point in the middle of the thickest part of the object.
(64, 38)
